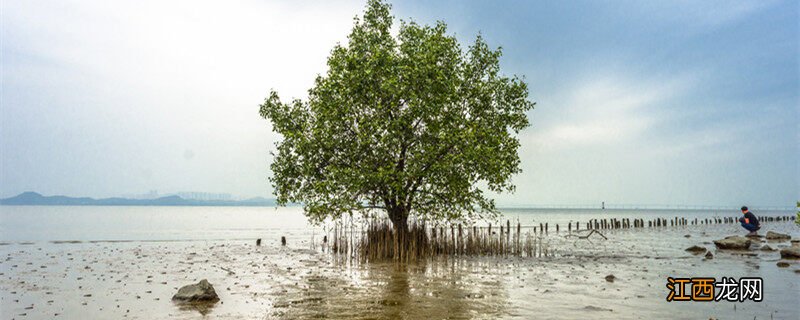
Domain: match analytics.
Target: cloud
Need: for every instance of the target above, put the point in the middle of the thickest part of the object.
(655, 102)
(700, 16)
(118, 90)
(180, 44)
(605, 109)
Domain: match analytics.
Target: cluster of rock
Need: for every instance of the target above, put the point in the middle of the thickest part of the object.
(744, 243)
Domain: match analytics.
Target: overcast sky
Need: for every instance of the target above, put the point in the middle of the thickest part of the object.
(691, 102)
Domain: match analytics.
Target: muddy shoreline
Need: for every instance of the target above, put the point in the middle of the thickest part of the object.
(135, 279)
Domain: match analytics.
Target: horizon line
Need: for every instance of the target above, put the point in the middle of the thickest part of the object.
(603, 205)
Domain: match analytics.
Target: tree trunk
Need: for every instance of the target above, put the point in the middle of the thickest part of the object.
(399, 218)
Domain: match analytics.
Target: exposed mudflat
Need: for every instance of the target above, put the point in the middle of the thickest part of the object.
(135, 279)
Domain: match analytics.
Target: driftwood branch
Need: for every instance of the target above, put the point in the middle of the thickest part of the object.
(591, 233)
(588, 235)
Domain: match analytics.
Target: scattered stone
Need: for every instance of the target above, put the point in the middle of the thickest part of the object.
(777, 236)
(709, 255)
(745, 254)
(199, 292)
(687, 236)
(790, 253)
(696, 249)
(733, 243)
(783, 264)
(766, 247)
(593, 308)
(610, 278)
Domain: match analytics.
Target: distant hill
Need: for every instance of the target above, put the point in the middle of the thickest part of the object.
(36, 199)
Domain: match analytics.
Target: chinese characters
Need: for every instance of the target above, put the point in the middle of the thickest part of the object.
(708, 289)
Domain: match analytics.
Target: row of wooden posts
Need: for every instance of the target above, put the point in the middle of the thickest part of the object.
(377, 239)
(626, 223)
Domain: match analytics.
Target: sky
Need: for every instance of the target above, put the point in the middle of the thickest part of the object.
(638, 102)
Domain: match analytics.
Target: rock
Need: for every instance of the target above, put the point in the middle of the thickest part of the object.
(610, 278)
(198, 292)
(709, 255)
(593, 308)
(783, 264)
(745, 254)
(733, 242)
(777, 236)
(696, 249)
(687, 235)
(790, 253)
(766, 247)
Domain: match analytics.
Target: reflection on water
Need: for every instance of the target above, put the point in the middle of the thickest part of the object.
(436, 289)
(203, 308)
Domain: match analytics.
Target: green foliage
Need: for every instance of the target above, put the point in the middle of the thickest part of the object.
(410, 124)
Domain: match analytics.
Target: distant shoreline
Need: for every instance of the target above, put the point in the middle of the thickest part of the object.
(143, 205)
(36, 199)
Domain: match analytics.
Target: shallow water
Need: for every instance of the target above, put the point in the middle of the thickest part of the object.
(143, 223)
(127, 262)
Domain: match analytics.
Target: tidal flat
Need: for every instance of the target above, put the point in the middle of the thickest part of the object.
(130, 277)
